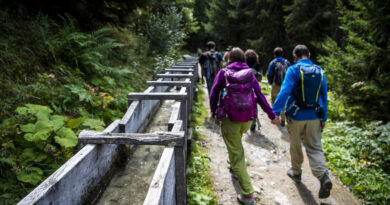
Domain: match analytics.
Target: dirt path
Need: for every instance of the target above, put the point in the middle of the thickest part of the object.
(268, 158)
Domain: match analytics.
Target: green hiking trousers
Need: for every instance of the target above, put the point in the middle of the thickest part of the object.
(232, 133)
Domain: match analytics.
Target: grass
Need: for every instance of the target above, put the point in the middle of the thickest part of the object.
(199, 187)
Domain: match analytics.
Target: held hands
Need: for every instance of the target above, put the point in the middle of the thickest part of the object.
(276, 120)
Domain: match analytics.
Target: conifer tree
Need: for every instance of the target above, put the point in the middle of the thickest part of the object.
(358, 68)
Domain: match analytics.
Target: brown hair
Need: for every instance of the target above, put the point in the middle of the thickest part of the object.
(210, 45)
(278, 51)
(236, 55)
(301, 50)
(251, 57)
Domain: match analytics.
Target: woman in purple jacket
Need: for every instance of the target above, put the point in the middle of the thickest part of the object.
(233, 102)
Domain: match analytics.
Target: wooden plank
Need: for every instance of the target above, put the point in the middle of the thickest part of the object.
(180, 176)
(168, 83)
(156, 188)
(178, 126)
(174, 115)
(158, 138)
(175, 75)
(157, 96)
(179, 70)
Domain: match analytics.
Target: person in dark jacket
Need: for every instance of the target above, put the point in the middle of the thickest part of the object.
(252, 59)
(275, 87)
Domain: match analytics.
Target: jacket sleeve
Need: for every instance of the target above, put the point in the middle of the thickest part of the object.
(218, 85)
(261, 100)
(270, 72)
(324, 97)
(285, 90)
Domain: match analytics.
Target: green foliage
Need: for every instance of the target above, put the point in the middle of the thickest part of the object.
(35, 142)
(357, 68)
(59, 78)
(199, 187)
(361, 158)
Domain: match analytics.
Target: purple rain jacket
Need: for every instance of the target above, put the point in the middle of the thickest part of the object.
(220, 83)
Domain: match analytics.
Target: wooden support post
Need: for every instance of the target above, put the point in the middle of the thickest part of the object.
(180, 167)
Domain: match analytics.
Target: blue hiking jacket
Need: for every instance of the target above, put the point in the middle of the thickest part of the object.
(271, 68)
(285, 94)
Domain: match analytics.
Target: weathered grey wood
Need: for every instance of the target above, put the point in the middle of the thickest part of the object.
(138, 112)
(156, 195)
(178, 126)
(179, 70)
(183, 66)
(174, 115)
(180, 176)
(70, 182)
(158, 138)
(157, 96)
(169, 83)
(175, 75)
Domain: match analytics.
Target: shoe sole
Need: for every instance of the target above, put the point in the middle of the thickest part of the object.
(325, 190)
(295, 180)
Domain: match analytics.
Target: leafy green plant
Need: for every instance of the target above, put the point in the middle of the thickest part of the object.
(361, 158)
(35, 142)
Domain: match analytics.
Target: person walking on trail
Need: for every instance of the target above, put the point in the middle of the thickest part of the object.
(211, 62)
(226, 56)
(276, 71)
(232, 103)
(252, 60)
(305, 91)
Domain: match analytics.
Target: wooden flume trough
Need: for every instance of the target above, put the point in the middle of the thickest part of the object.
(73, 181)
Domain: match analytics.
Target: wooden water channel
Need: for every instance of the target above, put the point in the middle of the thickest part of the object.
(99, 152)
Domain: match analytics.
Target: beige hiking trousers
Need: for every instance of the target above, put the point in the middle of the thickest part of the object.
(275, 89)
(308, 133)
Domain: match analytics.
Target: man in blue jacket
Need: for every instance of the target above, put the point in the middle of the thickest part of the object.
(275, 75)
(305, 91)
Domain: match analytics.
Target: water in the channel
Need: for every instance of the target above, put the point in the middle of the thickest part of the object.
(130, 184)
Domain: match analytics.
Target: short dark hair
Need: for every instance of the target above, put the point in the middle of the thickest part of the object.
(301, 50)
(251, 57)
(236, 55)
(278, 51)
(210, 45)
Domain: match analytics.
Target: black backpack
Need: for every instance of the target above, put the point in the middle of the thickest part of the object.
(211, 64)
(280, 71)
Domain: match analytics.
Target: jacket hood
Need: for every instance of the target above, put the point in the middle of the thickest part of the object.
(237, 66)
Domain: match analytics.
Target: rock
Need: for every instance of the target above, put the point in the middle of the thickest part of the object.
(257, 190)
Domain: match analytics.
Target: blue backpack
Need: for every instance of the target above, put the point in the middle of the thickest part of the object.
(308, 87)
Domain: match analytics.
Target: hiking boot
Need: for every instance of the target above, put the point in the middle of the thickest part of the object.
(253, 127)
(246, 200)
(283, 123)
(296, 177)
(326, 186)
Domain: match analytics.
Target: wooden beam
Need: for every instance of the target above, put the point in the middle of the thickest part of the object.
(168, 83)
(157, 96)
(179, 70)
(177, 127)
(158, 138)
(175, 75)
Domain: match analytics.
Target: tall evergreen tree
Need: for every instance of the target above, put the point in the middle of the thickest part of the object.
(309, 22)
(358, 69)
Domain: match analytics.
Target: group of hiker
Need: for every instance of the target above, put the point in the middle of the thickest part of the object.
(299, 99)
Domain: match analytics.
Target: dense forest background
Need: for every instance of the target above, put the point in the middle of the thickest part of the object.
(68, 65)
